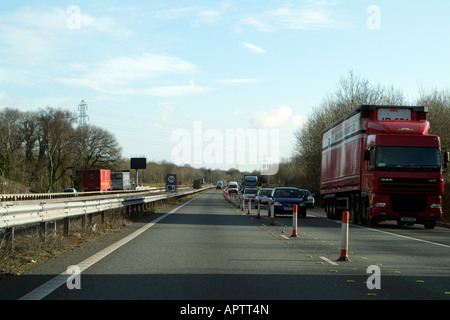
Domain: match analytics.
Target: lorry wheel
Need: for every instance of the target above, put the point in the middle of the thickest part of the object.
(332, 209)
(354, 210)
(328, 209)
(372, 223)
(364, 212)
(430, 224)
(301, 213)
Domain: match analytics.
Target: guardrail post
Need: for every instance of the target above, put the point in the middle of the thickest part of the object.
(272, 213)
(66, 227)
(344, 237)
(294, 221)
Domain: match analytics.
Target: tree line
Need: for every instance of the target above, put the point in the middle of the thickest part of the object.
(45, 150)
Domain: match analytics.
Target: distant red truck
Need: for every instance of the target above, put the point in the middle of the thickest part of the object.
(379, 163)
(96, 180)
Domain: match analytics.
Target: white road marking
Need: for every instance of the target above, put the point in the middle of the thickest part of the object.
(53, 284)
(409, 238)
(329, 261)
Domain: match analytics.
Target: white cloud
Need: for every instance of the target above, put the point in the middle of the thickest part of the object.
(254, 48)
(171, 91)
(239, 80)
(166, 111)
(313, 15)
(127, 75)
(196, 15)
(2, 95)
(36, 36)
(276, 118)
(210, 17)
(154, 124)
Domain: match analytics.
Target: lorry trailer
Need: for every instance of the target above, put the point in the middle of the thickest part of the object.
(96, 180)
(120, 180)
(379, 163)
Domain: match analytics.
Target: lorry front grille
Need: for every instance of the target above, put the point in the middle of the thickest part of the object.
(409, 185)
(408, 203)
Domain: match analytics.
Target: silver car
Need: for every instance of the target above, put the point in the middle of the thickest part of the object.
(233, 188)
(250, 193)
(263, 195)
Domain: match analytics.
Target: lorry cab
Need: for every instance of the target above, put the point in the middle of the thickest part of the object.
(380, 163)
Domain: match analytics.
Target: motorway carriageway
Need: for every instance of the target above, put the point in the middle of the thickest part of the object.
(207, 249)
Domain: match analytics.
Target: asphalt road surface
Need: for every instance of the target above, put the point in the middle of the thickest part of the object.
(206, 249)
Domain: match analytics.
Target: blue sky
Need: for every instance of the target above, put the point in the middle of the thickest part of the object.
(150, 70)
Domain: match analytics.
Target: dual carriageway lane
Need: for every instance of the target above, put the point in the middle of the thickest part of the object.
(207, 249)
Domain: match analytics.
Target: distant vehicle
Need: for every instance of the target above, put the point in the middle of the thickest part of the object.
(263, 195)
(96, 180)
(120, 181)
(219, 185)
(285, 198)
(71, 190)
(233, 188)
(309, 198)
(249, 181)
(250, 193)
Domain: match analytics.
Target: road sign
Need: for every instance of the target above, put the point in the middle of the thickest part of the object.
(171, 183)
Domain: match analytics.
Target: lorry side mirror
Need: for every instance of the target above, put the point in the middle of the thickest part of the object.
(366, 155)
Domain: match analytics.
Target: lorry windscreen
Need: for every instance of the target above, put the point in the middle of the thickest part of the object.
(407, 159)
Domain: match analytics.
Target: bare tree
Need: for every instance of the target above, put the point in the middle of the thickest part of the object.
(56, 141)
(97, 147)
(10, 142)
(351, 93)
(438, 104)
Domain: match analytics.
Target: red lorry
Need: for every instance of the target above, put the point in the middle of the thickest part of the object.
(379, 163)
(96, 180)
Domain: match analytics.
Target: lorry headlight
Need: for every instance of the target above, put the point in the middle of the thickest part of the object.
(435, 206)
(380, 204)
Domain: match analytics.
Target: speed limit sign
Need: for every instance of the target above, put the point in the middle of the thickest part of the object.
(171, 183)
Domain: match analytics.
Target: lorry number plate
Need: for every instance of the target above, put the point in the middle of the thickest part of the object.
(408, 219)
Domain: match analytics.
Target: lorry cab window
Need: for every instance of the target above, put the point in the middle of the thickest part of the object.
(408, 158)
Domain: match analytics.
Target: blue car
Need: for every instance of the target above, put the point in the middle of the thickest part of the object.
(285, 198)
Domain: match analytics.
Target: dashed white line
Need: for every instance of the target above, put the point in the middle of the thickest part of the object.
(329, 261)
